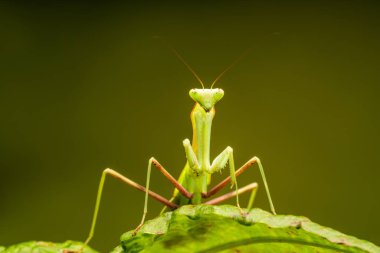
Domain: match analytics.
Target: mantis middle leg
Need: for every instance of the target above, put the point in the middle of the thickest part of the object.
(180, 188)
(242, 169)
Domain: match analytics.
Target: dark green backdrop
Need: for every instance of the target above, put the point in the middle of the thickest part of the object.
(87, 86)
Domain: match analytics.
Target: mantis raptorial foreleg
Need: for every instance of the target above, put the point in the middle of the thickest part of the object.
(242, 169)
(137, 186)
(220, 162)
(190, 156)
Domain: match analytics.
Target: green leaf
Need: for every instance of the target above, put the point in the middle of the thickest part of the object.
(48, 247)
(206, 229)
(118, 249)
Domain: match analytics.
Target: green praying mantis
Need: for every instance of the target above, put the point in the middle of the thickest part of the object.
(191, 187)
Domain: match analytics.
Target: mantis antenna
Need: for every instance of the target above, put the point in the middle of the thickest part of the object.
(180, 58)
(188, 66)
(229, 67)
(194, 73)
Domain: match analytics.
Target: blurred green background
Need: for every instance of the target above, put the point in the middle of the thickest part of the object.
(85, 86)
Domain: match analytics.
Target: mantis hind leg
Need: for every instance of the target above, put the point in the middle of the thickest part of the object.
(135, 185)
(146, 196)
(251, 187)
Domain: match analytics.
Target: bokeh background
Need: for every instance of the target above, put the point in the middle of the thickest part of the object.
(85, 86)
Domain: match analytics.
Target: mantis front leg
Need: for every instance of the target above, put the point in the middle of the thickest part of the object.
(220, 162)
(191, 157)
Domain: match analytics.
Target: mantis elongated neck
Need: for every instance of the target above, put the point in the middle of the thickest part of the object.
(201, 121)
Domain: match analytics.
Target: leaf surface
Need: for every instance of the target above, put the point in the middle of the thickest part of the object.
(206, 229)
(48, 247)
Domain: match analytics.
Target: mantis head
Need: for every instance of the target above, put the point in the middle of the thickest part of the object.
(206, 98)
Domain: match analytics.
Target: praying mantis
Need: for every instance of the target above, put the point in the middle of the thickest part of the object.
(191, 187)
